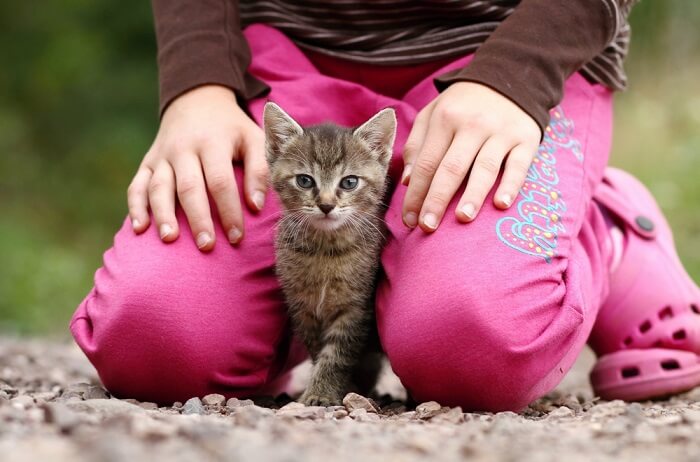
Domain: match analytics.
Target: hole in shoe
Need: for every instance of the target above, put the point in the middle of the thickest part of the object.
(694, 308)
(666, 313)
(645, 326)
(670, 365)
(679, 335)
(629, 372)
(628, 341)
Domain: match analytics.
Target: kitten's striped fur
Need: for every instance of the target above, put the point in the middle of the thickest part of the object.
(327, 263)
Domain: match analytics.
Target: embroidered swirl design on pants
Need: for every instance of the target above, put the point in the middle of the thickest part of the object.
(540, 204)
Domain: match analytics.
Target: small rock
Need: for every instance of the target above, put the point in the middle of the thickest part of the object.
(561, 412)
(357, 412)
(367, 416)
(193, 406)
(428, 410)
(59, 415)
(96, 393)
(177, 404)
(409, 415)
(291, 406)
(148, 405)
(75, 390)
(353, 401)
(234, 403)
(340, 413)
(249, 416)
(22, 401)
(214, 399)
(44, 396)
(455, 415)
(691, 416)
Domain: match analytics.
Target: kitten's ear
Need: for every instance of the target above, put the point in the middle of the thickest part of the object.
(379, 133)
(279, 128)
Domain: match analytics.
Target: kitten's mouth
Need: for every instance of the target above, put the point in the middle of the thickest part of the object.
(328, 222)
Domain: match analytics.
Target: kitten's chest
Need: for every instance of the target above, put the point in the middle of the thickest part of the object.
(326, 282)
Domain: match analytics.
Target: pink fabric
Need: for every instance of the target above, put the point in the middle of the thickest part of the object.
(472, 315)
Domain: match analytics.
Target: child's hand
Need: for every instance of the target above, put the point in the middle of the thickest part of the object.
(202, 132)
(467, 125)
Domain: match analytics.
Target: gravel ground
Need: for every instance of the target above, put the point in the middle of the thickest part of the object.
(53, 408)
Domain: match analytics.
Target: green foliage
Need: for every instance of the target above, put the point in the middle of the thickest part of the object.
(78, 102)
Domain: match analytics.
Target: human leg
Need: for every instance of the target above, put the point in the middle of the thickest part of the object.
(491, 314)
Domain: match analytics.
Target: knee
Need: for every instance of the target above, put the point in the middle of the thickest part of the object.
(470, 347)
(158, 340)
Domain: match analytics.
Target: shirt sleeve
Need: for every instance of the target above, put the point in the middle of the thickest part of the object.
(200, 42)
(531, 54)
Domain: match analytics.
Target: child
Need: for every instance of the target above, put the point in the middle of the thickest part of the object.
(540, 250)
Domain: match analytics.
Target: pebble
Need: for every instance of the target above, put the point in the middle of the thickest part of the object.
(96, 393)
(339, 413)
(250, 416)
(454, 416)
(428, 409)
(562, 412)
(214, 399)
(353, 401)
(234, 403)
(59, 415)
(148, 405)
(691, 416)
(193, 406)
(22, 401)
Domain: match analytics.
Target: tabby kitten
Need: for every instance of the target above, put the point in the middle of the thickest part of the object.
(331, 181)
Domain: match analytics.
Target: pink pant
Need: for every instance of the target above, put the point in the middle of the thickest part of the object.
(488, 315)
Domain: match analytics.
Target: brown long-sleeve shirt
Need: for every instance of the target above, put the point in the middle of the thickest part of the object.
(524, 49)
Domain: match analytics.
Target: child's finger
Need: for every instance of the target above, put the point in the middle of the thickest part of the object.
(218, 172)
(482, 177)
(255, 170)
(137, 199)
(191, 191)
(437, 141)
(448, 178)
(414, 142)
(161, 196)
(514, 174)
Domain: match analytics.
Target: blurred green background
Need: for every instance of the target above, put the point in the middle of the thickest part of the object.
(78, 101)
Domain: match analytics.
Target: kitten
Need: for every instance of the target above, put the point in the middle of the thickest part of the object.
(331, 181)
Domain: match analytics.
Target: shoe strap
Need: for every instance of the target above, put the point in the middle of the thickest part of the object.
(626, 212)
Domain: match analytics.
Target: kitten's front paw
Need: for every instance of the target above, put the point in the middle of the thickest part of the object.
(320, 398)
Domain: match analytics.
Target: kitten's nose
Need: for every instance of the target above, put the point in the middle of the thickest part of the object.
(326, 208)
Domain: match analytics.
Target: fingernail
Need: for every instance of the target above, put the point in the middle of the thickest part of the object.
(506, 199)
(430, 220)
(165, 230)
(234, 235)
(410, 219)
(203, 239)
(468, 210)
(135, 223)
(259, 199)
(406, 172)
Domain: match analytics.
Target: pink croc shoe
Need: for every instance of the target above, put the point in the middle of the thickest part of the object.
(647, 334)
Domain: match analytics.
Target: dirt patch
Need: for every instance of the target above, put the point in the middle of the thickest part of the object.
(53, 408)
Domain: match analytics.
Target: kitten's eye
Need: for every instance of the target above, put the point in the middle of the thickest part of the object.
(305, 181)
(349, 182)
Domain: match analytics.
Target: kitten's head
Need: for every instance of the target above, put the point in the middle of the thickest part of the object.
(330, 175)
